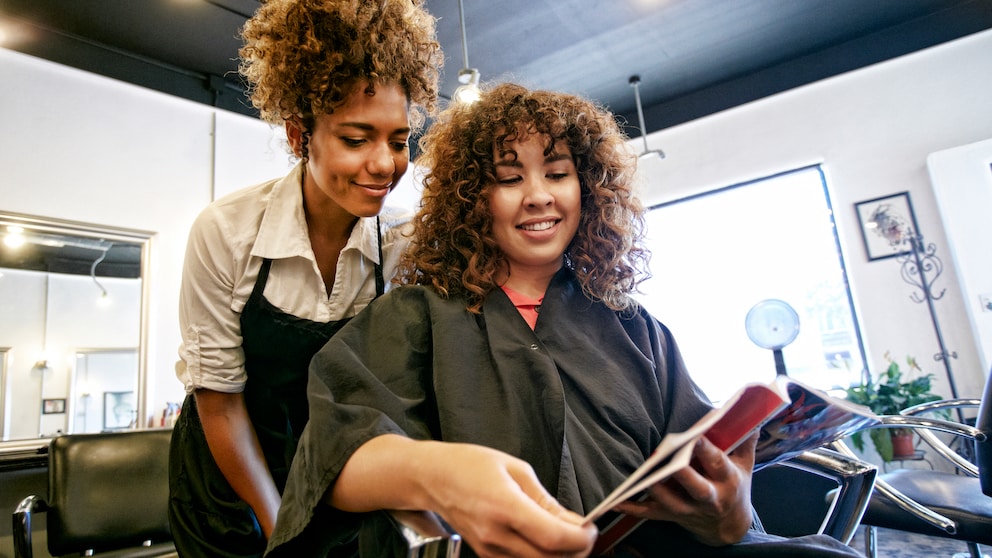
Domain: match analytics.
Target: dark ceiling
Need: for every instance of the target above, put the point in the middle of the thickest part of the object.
(694, 57)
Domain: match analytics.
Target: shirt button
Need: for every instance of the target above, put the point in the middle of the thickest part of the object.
(533, 347)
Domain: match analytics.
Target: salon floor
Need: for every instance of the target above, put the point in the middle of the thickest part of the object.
(899, 544)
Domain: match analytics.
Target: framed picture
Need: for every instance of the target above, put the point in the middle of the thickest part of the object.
(118, 409)
(52, 406)
(887, 224)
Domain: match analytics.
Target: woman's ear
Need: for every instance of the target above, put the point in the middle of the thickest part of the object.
(294, 134)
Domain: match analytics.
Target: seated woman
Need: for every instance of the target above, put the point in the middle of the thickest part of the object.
(513, 382)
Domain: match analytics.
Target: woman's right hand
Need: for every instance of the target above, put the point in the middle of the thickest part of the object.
(493, 500)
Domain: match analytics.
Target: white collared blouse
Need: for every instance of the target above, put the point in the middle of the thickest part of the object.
(226, 246)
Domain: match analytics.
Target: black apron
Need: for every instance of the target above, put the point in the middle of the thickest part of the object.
(207, 517)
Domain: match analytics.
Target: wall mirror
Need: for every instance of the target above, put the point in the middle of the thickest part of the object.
(73, 329)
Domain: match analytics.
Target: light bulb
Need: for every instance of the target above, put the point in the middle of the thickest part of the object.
(103, 300)
(14, 237)
(467, 94)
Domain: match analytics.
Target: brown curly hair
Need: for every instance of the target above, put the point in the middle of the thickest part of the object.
(454, 250)
(302, 57)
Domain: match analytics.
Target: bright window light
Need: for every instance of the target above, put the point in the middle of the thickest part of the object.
(716, 255)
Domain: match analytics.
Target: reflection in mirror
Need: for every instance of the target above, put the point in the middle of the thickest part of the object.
(74, 297)
(103, 386)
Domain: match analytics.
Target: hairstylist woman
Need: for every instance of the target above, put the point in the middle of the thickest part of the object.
(272, 271)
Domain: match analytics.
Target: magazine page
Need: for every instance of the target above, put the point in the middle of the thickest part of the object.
(635, 483)
(812, 419)
(757, 402)
(791, 418)
(726, 426)
(738, 416)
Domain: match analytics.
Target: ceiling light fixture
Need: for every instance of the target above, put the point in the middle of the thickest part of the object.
(635, 82)
(104, 298)
(468, 77)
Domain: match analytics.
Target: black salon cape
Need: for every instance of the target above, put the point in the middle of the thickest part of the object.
(583, 398)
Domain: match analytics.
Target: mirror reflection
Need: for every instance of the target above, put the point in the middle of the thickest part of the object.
(104, 383)
(71, 327)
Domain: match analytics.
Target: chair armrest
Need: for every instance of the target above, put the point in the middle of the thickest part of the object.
(924, 426)
(22, 524)
(425, 534)
(855, 479)
(936, 443)
(941, 405)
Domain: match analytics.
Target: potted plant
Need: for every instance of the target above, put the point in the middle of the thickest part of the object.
(888, 394)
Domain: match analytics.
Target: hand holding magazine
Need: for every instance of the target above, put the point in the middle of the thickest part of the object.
(792, 418)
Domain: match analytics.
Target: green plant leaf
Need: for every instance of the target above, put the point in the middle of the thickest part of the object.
(883, 442)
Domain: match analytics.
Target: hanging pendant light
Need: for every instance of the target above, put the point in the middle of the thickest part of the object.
(468, 77)
(104, 298)
(635, 82)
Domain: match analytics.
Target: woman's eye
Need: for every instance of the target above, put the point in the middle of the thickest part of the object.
(558, 175)
(399, 146)
(352, 142)
(509, 180)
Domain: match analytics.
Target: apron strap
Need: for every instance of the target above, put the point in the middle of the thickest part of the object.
(380, 283)
(263, 278)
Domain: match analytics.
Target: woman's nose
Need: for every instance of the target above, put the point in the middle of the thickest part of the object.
(539, 194)
(381, 161)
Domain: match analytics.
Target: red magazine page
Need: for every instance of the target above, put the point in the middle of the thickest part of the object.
(754, 407)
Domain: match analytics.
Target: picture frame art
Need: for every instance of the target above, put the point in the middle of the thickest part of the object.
(52, 406)
(887, 224)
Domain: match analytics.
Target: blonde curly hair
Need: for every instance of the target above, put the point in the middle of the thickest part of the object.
(302, 57)
(454, 250)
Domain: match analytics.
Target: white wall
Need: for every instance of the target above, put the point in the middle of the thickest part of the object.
(872, 129)
(82, 147)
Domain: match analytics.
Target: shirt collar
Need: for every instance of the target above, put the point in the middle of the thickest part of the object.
(283, 232)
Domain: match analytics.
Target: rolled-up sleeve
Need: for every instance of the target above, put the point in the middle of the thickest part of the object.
(211, 356)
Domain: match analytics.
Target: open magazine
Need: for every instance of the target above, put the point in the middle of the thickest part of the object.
(792, 418)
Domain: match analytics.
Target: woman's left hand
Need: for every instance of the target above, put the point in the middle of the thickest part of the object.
(711, 499)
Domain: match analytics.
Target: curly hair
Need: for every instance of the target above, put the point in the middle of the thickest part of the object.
(302, 57)
(454, 250)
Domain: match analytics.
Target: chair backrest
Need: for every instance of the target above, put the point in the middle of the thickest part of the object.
(108, 491)
(983, 450)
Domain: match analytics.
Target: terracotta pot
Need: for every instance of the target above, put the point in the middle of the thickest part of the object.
(902, 444)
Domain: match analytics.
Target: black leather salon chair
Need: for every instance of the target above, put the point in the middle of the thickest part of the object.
(956, 505)
(106, 493)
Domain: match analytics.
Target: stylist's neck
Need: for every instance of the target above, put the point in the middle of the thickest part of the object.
(327, 219)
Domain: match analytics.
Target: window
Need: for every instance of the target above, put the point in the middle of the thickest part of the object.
(716, 255)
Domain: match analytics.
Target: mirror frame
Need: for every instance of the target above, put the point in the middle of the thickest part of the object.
(90, 230)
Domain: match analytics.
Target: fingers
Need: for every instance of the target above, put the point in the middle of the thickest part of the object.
(552, 526)
(711, 498)
(510, 513)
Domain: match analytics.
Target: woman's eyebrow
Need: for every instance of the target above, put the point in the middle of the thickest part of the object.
(365, 126)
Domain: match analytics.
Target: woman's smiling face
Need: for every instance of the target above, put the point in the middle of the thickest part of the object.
(535, 203)
(359, 152)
